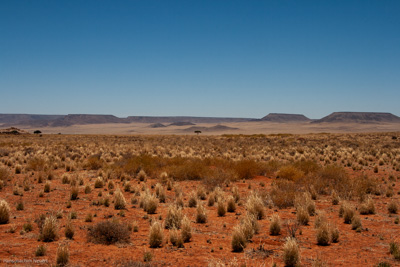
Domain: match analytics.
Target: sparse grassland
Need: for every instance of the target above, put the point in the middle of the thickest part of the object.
(182, 200)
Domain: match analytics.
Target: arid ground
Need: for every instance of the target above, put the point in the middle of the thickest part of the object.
(212, 129)
(188, 200)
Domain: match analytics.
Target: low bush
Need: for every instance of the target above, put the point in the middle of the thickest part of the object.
(283, 193)
(108, 232)
(290, 172)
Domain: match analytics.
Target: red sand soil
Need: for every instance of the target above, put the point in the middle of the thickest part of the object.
(210, 241)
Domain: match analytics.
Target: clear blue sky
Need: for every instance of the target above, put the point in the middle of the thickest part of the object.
(199, 58)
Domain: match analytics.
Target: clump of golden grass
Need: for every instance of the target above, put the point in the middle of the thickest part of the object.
(48, 231)
(4, 212)
(175, 238)
(99, 183)
(239, 240)
(221, 208)
(392, 207)
(40, 251)
(74, 193)
(250, 226)
(367, 207)
(291, 252)
(174, 217)
(119, 200)
(69, 230)
(255, 206)
(156, 235)
(302, 215)
(231, 204)
(275, 225)
(62, 258)
(323, 234)
(356, 223)
(320, 219)
(201, 215)
(46, 188)
(186, 230)
(335, 198)
(192, 200)
(347, 212)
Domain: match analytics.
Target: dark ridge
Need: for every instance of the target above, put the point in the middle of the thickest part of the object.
(215, 128)
(174, 119)
(359, 117)
(157, 125)
(181, 123)
(280, 117)
(28, 119)
(72, 119)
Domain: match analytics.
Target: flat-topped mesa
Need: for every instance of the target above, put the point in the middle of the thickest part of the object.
(73, 119)
(282, 117)
(360, 117)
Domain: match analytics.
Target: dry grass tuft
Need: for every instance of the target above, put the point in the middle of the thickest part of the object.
(291, 252)
(156, 235)
(4, 212)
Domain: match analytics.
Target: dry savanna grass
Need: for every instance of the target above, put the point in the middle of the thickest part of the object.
(230, 200)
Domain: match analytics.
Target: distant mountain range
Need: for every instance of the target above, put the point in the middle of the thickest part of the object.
(8, 120)
(359, 117)
(280, 117)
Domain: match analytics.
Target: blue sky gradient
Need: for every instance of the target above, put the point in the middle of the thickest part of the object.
(199, 58)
